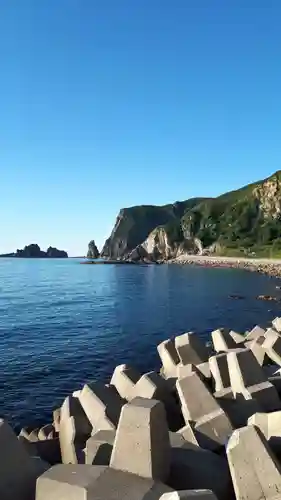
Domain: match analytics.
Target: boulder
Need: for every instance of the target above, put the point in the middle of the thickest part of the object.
(90, 482)
(99, 448)
(124, 379)
(219, 370)
(142, 443)
(191, 349)
(222, 341)
(211, 424)
(18, 471)
(169, 357)
(254, 469)
(102, 405)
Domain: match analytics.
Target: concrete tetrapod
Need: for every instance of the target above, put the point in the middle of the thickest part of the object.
(169, 357)
(219, 370)
(222, 341)
(277, 324)
(195, 468)
(203, 369)
(249, 379)
(124, 379)
(189, 494)
(18, 471)
(102, 405)
(270, 425)
(211, 424)
(93, 482)
(48, 450)
(255, 333)
(237, 337)
(272, 346)
(153, 386)
(191, 349)
(255, 471)
(256, 346)
(142, 444)
(99, 448)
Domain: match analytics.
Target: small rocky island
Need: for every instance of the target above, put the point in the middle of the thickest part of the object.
(34, 251)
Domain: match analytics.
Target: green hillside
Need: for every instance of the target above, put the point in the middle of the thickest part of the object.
(245, 221)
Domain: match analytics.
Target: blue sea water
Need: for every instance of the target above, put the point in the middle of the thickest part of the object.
(62, 323)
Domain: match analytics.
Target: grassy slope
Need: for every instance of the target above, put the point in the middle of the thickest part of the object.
(236, 222)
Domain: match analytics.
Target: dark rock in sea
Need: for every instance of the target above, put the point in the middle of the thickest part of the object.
(55, 253)
(34, 251)
(93, 252)
(236, 297)
(267, 297)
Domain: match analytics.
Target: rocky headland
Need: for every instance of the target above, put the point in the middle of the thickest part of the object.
(244, 223)
(34, 251)
(208, 426)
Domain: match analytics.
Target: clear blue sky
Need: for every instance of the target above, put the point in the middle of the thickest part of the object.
(113, 103)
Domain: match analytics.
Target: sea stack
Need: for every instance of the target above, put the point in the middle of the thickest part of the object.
(93, 252)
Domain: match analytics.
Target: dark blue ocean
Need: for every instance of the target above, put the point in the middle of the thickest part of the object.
(63, 323)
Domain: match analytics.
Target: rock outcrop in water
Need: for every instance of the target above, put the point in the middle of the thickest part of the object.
(34, 251)
(93, 252)
(206, 427)
(245, 221)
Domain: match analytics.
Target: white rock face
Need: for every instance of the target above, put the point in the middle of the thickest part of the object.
(159, 245)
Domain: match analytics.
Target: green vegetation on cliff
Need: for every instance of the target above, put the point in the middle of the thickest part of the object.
(133, 225)
(245, 221)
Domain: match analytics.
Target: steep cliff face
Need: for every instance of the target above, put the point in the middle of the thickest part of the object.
(160, 245)
(133, 225)
(268, 194)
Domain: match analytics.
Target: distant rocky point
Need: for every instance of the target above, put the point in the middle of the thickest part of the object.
(34, 251)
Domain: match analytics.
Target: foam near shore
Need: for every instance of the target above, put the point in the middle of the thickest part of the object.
(207, 427)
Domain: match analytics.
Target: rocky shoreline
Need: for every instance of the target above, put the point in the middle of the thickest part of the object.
(270, 267)
(207, 427)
